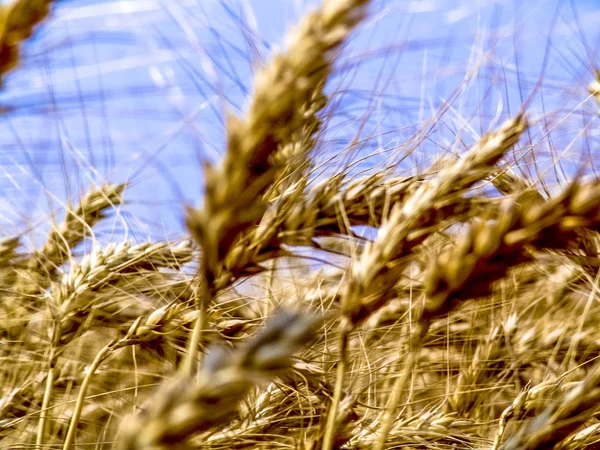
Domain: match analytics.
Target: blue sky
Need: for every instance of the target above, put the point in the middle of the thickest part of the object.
(135, 90)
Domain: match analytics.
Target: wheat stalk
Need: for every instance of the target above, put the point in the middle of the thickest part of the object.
(374, 275)
(234, 191)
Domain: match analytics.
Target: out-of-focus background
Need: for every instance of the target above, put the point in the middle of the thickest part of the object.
(137, 90)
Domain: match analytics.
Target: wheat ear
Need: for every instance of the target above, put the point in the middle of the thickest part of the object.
(234, 192)
(17, 22)
(561, 417)
(381, 264)
(185, 406)
(34, 273)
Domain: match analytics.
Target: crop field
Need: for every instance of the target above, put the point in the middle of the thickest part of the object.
(313, 225)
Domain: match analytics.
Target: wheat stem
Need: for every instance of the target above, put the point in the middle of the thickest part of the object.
(331, 424)
(100, 356)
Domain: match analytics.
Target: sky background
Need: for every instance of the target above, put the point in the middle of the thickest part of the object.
(136, 90)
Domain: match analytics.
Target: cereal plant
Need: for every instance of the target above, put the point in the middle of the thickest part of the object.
(313, 305)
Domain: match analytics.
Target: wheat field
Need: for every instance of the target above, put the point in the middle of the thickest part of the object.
(309, 308)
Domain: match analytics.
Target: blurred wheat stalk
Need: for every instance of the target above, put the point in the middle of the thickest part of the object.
(446, 330)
